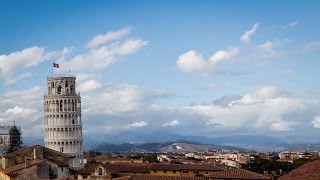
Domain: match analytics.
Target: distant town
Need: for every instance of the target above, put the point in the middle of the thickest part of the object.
(38, 162)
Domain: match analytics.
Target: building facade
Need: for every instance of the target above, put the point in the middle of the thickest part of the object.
(35, 162)
(62, 121)
(4, 135)
(10, 139)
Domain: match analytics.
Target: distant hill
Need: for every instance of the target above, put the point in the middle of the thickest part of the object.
(153, 142)
(252, 142)
(167, 147)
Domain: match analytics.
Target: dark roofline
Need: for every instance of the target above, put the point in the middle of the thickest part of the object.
(35, 146)
(202, 167)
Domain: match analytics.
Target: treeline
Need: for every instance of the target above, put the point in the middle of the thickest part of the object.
(260, 165)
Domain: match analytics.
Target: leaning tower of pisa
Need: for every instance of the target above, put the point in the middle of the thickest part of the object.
(62, 121)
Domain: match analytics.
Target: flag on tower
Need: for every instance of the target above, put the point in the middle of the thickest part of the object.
(55, 65)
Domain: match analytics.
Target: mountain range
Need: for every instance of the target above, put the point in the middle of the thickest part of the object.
(167, 147)
(135, 141)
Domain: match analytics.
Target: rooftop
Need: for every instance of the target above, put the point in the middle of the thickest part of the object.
(148, 177)
(239, 174)
(308, 171)
(203, 167)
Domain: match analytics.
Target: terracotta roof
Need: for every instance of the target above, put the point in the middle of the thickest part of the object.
(89, 168)
(239, 174)
(115, 168)
(14, 169)
(33, 147)
(308, 171)
(133, 164)
(170, 167)
(122, 178)
(148, 177)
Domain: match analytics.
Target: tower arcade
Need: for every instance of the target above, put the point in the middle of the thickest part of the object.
(62, 121)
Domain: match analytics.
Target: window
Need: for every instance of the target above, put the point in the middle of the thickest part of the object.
(164, 171)
(61, 169)
(154, 170)
(72, 121)
(61, 149)
(174, 171)
(100, 171)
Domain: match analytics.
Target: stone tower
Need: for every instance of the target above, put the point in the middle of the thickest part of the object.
(62, 120)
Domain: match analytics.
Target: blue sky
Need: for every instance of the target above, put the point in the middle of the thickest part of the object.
(225, 67)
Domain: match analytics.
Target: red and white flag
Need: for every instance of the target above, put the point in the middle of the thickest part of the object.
(55, 65)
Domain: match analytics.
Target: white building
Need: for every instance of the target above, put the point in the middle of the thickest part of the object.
(231, 163)
(62, 120)
(163, 158)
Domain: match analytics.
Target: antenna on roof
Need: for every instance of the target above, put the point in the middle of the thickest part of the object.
(14, 123)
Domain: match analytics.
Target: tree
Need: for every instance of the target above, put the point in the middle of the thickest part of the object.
(152, 158)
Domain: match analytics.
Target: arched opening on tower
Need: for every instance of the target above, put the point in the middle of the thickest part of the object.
(100, 171)
(59, 89)
(61, 105)
(72, 105)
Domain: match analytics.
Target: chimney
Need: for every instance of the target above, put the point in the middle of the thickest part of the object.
(34, 153)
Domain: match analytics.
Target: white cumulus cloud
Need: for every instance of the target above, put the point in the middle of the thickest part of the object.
(260, 95)
(316, 122)
(223, 55)
(24, 107)
(115, 100)
(89, 86)
(267, 50)
(246, 37)
(283, 125)
(108, 37)
(139, 124)
(193, 61)
(18, 60)
(263, 109)
(101, 57)
(172, 123)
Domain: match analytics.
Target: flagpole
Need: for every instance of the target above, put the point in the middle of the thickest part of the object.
(52, 68)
